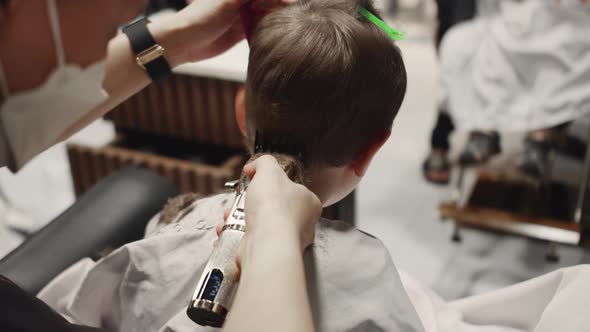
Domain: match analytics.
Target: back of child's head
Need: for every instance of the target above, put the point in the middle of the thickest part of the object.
(323, 76)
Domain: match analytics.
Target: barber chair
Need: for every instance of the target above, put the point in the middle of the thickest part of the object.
(499, 199)
(114, 212)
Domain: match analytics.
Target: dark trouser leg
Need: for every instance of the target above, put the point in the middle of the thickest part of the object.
(436, 168)
(450, 12)
(442, 131)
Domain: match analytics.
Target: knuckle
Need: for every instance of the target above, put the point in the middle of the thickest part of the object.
(267, 159)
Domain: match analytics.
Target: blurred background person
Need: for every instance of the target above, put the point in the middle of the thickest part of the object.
(519, 68)
(436, 168)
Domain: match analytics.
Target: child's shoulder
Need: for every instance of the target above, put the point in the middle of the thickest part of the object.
(190, 211)
(341, 248)
(330, 233)
(353, 276)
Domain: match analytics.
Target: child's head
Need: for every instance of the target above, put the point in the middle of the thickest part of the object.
(324, 77)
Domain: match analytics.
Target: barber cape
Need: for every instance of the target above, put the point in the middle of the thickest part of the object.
(522, 67)
(147, 285)
(556, 302)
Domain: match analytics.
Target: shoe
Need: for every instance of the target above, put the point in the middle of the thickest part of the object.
(536, 155)
(436, 168)
(480, 148)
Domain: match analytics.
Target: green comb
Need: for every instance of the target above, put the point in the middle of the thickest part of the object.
(394, 34)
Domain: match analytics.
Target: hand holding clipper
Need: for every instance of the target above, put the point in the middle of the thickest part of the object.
(216, 289)
(218, 284)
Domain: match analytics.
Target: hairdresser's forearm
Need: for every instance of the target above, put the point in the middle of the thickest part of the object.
(124, 77)
(272, 294)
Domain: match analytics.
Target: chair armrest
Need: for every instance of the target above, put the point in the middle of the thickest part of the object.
(112, 213)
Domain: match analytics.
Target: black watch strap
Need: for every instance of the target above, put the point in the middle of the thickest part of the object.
(142, 40)
(158, 69)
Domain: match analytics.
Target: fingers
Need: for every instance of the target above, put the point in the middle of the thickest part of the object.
(234, 34)
(265, 164)
(227, 40)
(250, 170)
(219, 227)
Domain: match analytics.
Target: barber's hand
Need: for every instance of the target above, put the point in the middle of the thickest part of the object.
(280, 214)
(205, 28)
(277, 207)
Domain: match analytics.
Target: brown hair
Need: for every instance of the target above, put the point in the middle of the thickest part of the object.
(325, 77)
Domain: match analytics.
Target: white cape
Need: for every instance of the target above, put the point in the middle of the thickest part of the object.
(556, 302)
(147, 285)
(352, 282)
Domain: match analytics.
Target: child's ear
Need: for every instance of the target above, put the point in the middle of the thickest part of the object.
(362, 161)
(240, 109)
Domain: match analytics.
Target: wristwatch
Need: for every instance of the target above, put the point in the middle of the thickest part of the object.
(149, 54)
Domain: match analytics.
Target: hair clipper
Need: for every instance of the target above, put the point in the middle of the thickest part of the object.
(215, 291)
(214, 295)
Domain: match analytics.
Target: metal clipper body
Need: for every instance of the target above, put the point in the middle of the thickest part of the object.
(217, 286)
